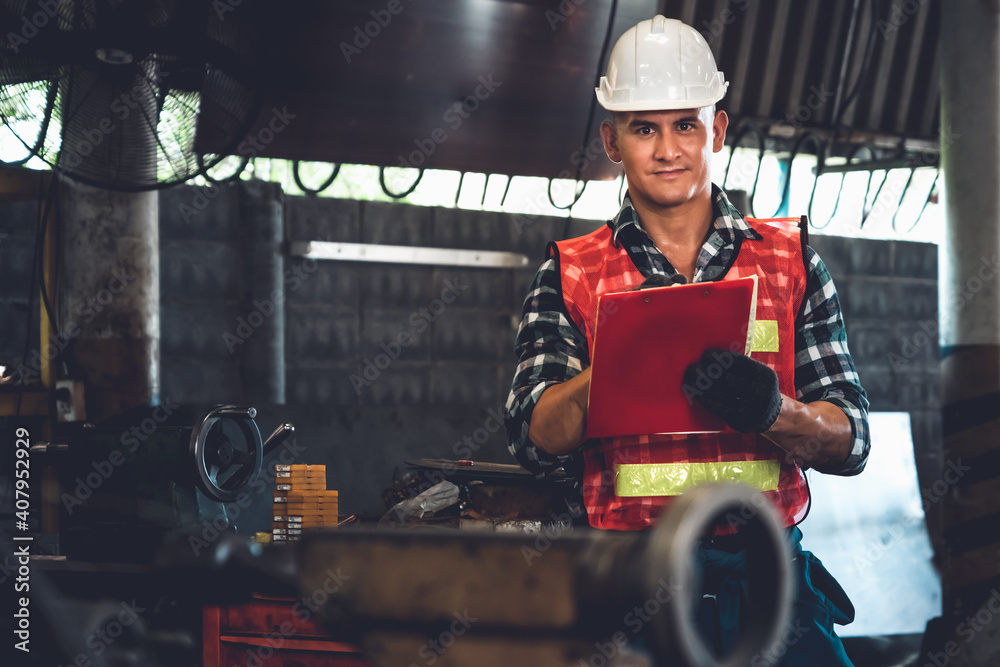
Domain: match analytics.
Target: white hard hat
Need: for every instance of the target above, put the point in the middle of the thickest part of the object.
(659, 64)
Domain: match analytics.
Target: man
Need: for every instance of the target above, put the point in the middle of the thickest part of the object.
(797, 402)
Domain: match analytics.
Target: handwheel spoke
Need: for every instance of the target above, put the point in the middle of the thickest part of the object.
(243, 457)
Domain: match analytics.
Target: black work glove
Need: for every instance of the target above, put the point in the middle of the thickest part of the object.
(741, 391)
(660, 280)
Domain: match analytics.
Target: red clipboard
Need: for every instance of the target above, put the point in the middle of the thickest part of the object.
(645, 340)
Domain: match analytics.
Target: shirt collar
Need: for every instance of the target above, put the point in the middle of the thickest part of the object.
(727, 221)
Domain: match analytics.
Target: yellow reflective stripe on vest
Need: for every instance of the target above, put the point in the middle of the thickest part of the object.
(765, 336)
(673, 479)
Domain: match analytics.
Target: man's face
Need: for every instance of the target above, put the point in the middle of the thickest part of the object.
(667, 155)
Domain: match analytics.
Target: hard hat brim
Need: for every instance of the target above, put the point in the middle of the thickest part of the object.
(656, 105)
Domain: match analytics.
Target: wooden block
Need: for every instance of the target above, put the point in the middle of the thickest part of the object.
(301, 476)
(307, 468)
(301, 487)
(316, 500)
(318, 525)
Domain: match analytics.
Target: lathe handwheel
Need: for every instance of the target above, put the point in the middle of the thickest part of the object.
(215, 454)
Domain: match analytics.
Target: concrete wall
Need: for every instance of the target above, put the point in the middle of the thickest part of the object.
(443, 387)
(18, 225)
(888, 290)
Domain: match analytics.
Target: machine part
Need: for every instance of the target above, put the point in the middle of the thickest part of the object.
(438, 497)
(400, 254)
(114, 629)
(278, 436)
(549, 595)
(52, 619)
(767, 556)
(646, 74)
(70, 403)
(214, 453)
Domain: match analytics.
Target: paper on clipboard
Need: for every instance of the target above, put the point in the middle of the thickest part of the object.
(645, 340)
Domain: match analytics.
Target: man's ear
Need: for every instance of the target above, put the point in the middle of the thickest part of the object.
(719, 126)
(609, 135)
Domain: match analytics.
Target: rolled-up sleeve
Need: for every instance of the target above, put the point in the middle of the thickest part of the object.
(824, 369)
(550, 349)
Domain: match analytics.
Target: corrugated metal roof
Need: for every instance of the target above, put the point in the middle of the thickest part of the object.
(858, 71)
(864, 66)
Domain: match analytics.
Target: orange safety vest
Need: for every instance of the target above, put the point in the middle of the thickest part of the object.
(592, 265)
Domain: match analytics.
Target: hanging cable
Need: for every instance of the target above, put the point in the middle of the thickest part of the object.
(749, 129)
(506, 189)
(32, 286)
(486, 186)
(313, 191)
(42, 131)
(461, 181)
(569, 217)
(902, 196)
(867, 211)
(398, 195)
(579, 193)
(927, 200)
(48, 205)
(621, 190)
(866, 63)
(590, 119)
(593, 98)
(232, 178)
(840, 189)
(807, 138)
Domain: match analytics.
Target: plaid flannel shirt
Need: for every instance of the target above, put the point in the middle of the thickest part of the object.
(551, 349)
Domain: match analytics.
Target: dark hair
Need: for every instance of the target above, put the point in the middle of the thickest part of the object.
(618, 117)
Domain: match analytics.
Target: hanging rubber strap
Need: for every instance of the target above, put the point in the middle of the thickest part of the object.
(673, 479)
(313, 191)
(398, 195)
(804, 240)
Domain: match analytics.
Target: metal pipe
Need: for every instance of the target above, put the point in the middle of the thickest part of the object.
(970, 319)
(263, 360)
(546, 598)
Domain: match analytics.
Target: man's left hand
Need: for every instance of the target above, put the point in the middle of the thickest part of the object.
(741, 391)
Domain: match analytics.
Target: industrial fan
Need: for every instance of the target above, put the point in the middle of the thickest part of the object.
(121, 94)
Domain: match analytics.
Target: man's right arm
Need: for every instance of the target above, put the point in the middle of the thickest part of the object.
(560, 419)
(546, 409)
